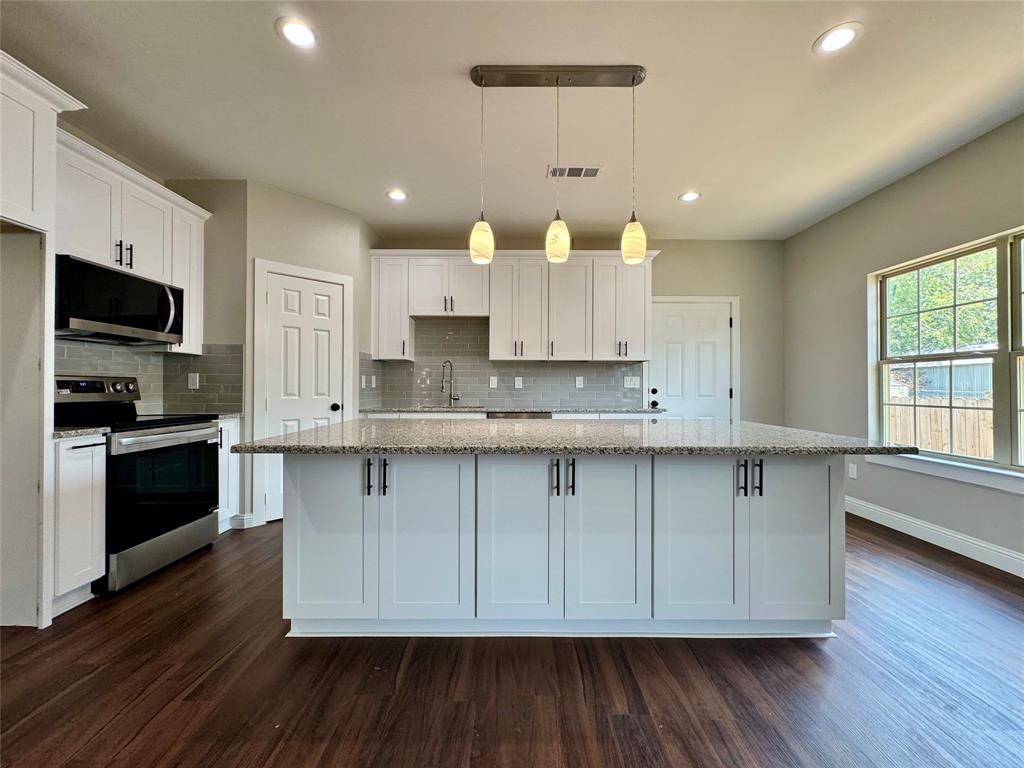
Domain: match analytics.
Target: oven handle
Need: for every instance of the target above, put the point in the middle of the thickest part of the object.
(122, 445)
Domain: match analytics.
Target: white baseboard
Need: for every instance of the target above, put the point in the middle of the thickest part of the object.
(72, 599)
(243, 521)
(976, 549)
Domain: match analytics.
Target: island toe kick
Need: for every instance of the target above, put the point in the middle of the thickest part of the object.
(563, 545)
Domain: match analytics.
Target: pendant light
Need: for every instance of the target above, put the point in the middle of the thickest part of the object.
(634, 239)
(481, 239)
(557, 242)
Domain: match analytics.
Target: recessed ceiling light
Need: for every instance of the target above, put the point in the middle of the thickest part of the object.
(838, 37)
(296, 31)
(397, 195)
(689, 197)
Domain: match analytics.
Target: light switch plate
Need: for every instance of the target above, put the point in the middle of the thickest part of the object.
(362, 381)
(631, 382)
(851, 470)
(493, 382)
(193, 381)
(579, 382)
(519, 382)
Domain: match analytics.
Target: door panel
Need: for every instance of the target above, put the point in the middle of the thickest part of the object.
(608, 538)
(88, 209)
(701, 540)
(427, 568)
(691, 359)
(147, 228)
(520, 539)
(330, 539)
(468, 289)
(790, 541)
(570, 310)
(532, 309)
(502, 335)
(428, 286)
(304, 329)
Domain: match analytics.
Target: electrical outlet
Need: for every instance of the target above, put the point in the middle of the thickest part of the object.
(519, 382)
(373, 381)
(362, 381)
(631, 382)
(851, 470)
(193, 381)
(579, 382)
(493, 382)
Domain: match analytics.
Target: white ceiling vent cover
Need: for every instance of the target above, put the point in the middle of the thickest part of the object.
(574, 171)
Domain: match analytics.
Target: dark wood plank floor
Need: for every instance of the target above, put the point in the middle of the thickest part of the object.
(192, 669)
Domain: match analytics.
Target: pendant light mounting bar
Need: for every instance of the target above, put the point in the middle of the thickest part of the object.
(563, 75)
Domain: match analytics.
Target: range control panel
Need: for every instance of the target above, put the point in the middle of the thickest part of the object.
(85, 388)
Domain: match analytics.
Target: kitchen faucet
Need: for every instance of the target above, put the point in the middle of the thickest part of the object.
(452, 397)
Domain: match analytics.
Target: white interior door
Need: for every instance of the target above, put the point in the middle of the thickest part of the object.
(304, 350)
(691, 363)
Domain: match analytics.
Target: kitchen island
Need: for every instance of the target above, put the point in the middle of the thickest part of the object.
(649, 527)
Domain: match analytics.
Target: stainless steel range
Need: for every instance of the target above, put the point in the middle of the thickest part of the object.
(161, 475)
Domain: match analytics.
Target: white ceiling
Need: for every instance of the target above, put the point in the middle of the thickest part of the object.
(735, 104)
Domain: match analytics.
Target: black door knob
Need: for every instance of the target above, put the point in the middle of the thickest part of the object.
(335, 407)
(654, 390)
(654, 403)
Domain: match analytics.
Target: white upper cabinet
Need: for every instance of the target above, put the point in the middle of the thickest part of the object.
(146, 228)
(447, 285)
(187, 264)
(88, 210)
(393, 328)
(622, 307)
(28, 141)
(519, 309)
(570, 310)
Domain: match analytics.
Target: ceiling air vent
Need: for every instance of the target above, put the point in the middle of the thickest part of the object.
(574, 171)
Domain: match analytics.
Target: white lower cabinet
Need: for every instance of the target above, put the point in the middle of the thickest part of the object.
(80, 512)
(797, 530)
(608, 537)
(330, 537)
(427, 537)
(520, 537)
(701, 539)
(228, 477)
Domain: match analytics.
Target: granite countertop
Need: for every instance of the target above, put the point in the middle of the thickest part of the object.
(666, 436)
(63, 433)
(510, 409)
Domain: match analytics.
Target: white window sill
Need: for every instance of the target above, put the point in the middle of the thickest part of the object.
(996, 478)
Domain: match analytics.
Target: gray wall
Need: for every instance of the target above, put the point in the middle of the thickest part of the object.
(752, 270)
(976, 191)
(465, 342)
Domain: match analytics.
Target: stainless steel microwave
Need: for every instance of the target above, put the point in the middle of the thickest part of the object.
(103, 304)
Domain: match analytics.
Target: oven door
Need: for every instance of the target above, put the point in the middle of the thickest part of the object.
(158, 480)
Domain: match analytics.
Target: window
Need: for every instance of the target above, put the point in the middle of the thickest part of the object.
(950, 382)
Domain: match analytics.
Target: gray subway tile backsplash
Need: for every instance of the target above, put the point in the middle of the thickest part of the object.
(71, 357)
(465, 342)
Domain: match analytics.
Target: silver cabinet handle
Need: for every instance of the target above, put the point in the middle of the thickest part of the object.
(758, 485)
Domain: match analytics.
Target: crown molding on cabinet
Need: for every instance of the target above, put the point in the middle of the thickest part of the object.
(13, 70)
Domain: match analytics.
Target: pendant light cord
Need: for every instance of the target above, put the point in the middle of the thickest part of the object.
(558, 165)
(633, 89)
(481, 150)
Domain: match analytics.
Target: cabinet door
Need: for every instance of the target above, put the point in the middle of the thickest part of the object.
(330, 537)
(701, 539)
(227, 473)
(570, 310)
(88, 221)
(520, 547)
(502, 336)
(632, 308)
(146, 224)
(428, 286)
(427, 506)
(187, 273)
(468, 288)
(532, 309)
(80, 513)
(608, 537)
(793, 571)
(606, 292)
(28, 135)
(393, 327)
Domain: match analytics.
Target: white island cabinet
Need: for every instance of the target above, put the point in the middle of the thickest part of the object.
(655, 528)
